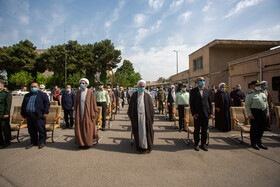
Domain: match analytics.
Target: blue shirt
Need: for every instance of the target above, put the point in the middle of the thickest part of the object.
(31, 104)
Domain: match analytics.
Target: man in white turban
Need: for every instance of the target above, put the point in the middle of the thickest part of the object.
(141, 114)
(86, 113)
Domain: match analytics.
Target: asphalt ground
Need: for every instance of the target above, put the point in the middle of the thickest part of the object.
(114, 162)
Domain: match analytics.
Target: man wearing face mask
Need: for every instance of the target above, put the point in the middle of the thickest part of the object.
(5, 107)
(257, 110)
(112, 96)
(269, 102)
(103, 100)
(161, 96)
(117, 94)
(85, 111)
(141, 114)
(35, 107)
(238, 96)
(182, 100)
(202, 110)
(170, 100)
(67, 101)
(222, 106)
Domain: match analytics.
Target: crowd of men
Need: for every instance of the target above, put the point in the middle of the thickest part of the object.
(80, 110)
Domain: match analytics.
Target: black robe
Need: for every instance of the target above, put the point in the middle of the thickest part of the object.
(222, 118)
(133, 115)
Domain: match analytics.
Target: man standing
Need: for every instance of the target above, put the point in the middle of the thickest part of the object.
(56, 95)
(35, 107)
(212, 93)
(122, 96)
(112, 97)
(85, 111)
(128, 92)
(117, 95)
(161, 99)
(238, 96)
(269, 102)
(202, 110)
(170, 100)
(5, 107)
(141, 114)
(67, 101)
(257, 110)
(103, 100)
(182, 101)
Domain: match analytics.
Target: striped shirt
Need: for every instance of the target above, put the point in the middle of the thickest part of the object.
(31, 104)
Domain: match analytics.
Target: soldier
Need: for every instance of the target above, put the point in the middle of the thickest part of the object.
(257, 110)
(5, 107)
(161, 99)
(103, 100)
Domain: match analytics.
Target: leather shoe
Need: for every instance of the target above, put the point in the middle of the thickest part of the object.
(180, 130)
(262, 146)
(255, 147)
(41, 146)
(196, 148)
(203, 147)
(103, 129)
(29, 146)
(5, 145)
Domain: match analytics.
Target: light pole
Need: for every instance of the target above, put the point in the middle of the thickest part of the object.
(176, 60)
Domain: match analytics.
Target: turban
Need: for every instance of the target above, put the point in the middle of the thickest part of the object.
(222, 84)
(263, 82)
(141, 81)
(85, 79)
(172, 86)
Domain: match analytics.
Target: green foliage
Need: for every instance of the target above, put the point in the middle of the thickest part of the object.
(74, 79)
(40, 79)
(22, 78)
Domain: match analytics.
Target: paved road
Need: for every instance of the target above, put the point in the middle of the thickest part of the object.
(114, 162)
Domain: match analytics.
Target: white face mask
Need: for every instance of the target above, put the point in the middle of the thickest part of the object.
(68, 89)
(239, 88)
(184, 89)
(258, 88)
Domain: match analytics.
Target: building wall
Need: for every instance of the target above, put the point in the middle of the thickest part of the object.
(248, 70)
(181, 77)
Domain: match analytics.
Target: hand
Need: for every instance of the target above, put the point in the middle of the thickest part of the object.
(218, 109)
(251, 117)
(72, 108)
(107, 106)
(267, 116)
(45, 115)
(176, 108)
(195, 116)
(5, 116)
(211, 116)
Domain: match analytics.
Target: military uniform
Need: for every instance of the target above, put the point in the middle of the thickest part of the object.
(256, 106)
(5, 107)
(103, 100)
(161, 99)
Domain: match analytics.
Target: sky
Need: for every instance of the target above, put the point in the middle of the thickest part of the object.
(146, 31)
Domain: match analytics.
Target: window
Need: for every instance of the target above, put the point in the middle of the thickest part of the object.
(198, 64)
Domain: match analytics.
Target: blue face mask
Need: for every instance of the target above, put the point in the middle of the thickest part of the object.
(93, 89)
(201, 83)
(142, 89)
(34, 90)
(82, 86)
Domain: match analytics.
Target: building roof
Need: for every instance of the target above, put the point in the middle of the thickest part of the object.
(241, 44)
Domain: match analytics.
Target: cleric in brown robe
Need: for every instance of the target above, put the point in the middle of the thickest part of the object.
(85, 115)
(141, 114)
(222, 106)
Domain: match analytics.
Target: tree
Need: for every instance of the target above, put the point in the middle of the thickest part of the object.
(106, 58)
(18, 57)
(22, 78)
(40, 79)
(73, 79)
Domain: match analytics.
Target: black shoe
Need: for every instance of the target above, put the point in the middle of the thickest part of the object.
(41, 146)
(103, 129)
(255, 147)
(71, 127)
(29, 146)
(180, 130)
(66, 127)
(262, 146)
(203, 147)
(5, 145)
(196, 148)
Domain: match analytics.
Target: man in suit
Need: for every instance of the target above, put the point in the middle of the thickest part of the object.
(67, 102)
(202, 110)
(170, 100)
(35, 107)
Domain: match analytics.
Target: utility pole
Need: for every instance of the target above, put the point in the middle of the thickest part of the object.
(176, 60)
(65, 56)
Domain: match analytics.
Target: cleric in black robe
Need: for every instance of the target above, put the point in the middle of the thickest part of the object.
(141, 114)
(222, 106)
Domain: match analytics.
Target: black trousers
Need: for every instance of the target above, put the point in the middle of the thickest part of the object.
(257, 126)
(35, 127)
(200, 123)
(104, 107)
(5, 131)
(170, 111)
(181, 110)
(58, 101)
(67, 114)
